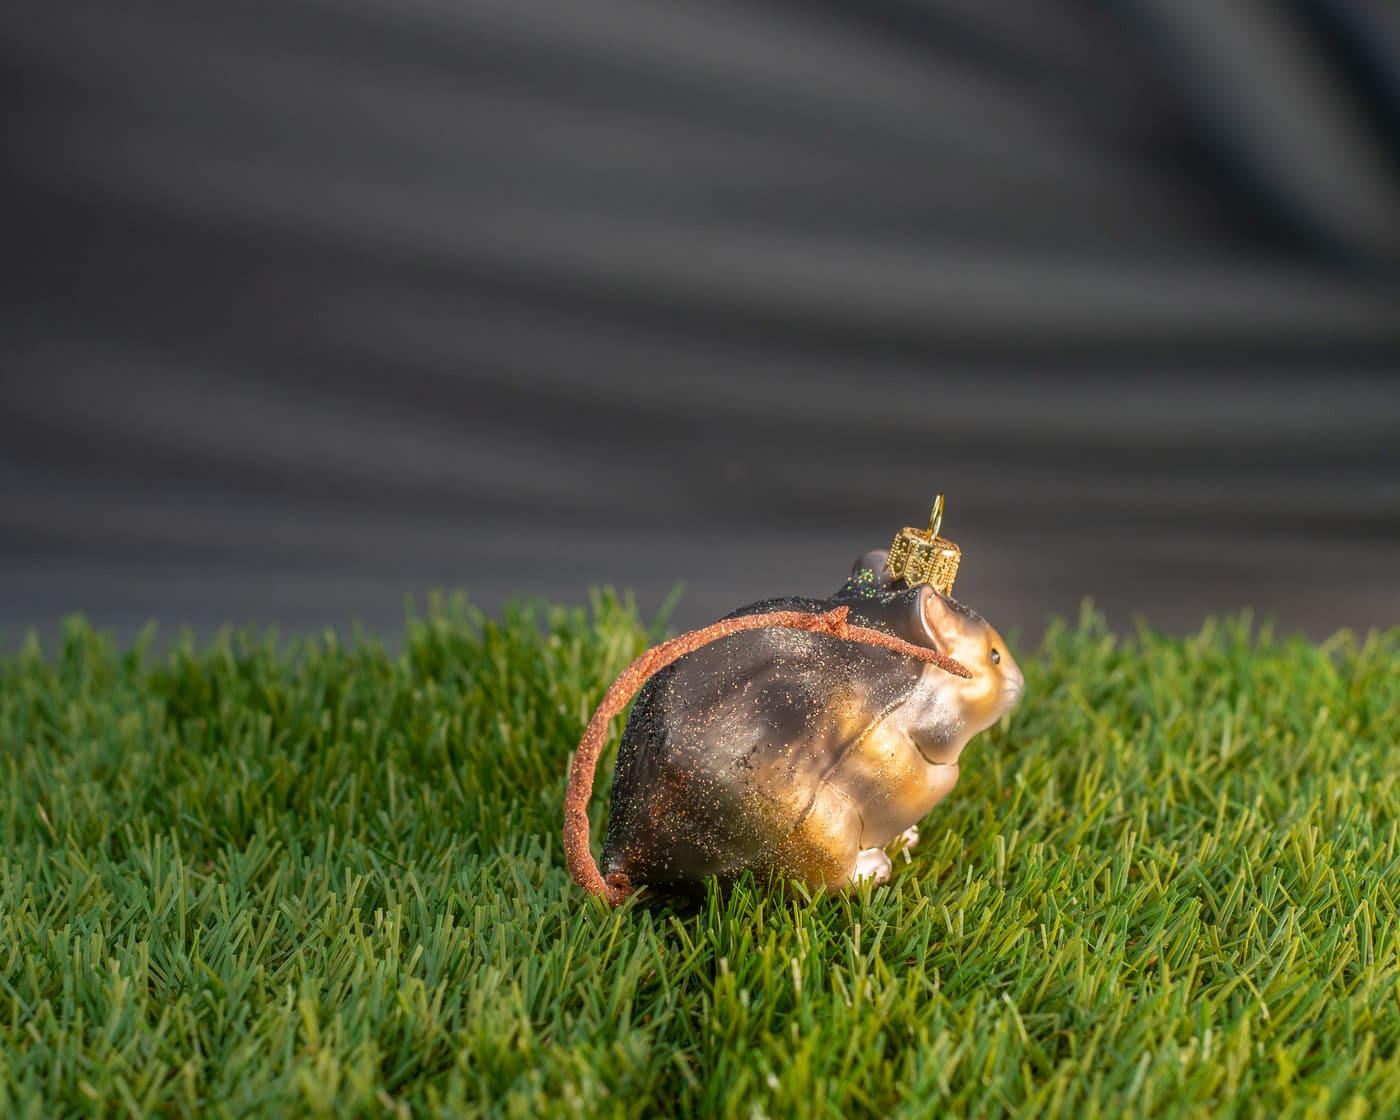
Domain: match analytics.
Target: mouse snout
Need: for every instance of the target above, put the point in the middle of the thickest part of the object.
(1012, 681)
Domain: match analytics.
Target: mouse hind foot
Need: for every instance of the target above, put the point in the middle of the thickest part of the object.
(872, 866)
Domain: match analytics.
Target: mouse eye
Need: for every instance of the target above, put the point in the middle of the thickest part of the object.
(996, 657)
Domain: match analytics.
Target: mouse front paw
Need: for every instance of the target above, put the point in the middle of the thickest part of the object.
(901, 844)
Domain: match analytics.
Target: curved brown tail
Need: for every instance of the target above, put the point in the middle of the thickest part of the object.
(577, 855)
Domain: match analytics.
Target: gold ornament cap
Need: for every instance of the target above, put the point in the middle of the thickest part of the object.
(922, 556)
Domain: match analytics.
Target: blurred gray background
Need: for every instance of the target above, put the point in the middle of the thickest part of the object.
(310, 305)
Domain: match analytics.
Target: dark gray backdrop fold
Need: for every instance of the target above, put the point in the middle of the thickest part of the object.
(309, 305)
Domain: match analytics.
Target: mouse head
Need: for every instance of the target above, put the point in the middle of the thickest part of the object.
(963, 634)
(926, 617)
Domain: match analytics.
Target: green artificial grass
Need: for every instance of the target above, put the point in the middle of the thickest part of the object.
(327, 880)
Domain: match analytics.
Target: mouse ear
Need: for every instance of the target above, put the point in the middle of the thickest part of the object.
(936, 618)
(874, 562)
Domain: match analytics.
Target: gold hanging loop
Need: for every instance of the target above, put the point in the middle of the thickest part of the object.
(922, 556)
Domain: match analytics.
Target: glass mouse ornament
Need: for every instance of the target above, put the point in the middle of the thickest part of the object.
(795, 736)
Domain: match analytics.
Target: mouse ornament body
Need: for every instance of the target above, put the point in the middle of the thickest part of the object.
(796, 736)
